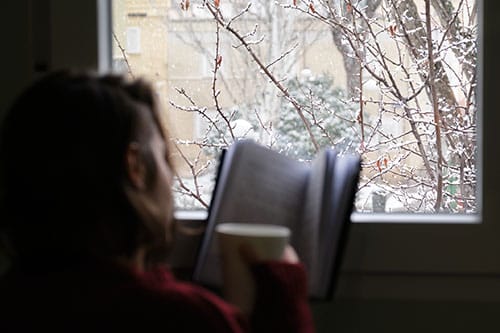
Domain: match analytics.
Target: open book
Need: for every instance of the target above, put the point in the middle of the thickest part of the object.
(315, 200)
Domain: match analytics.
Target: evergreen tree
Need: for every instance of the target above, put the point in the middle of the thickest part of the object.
(331, 117)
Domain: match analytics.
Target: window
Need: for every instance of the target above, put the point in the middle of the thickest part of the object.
(300, 76)
(434, 257)
(434, 244)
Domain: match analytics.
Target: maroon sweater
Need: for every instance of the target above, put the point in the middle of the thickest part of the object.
(106, 298)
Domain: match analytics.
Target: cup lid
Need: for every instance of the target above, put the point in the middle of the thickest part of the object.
(253, 229)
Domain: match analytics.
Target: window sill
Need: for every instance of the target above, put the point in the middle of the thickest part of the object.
(200, 215)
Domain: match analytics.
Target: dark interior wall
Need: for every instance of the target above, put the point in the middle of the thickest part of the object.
(73, 34)
(44, 34)
(16, 50)
(408, 316)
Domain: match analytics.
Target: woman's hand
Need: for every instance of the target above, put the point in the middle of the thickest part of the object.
(250, 256)
(289, 255)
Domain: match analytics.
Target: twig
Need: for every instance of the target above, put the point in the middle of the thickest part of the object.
(266, 71)
(435, 107)
(124, 54)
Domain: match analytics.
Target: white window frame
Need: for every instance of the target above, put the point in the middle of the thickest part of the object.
(440, 256)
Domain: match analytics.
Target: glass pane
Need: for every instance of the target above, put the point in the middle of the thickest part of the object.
(299, 76)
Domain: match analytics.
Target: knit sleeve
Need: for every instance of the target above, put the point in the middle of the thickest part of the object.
(190, 307)
(281, 303)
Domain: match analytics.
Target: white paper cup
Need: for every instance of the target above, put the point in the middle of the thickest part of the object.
(267, 241)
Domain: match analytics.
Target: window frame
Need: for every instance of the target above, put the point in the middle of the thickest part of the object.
(435, 246)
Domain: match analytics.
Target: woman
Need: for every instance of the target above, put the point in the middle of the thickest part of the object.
(87, 211)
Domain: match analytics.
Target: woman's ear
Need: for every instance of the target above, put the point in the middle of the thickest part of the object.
(136, 170)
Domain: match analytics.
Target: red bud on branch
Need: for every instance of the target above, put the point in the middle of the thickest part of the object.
(392, 30)
(185, 4)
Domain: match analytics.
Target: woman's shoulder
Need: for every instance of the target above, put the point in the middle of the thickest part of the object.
(189, 303)
(162, 283)
(121, 296)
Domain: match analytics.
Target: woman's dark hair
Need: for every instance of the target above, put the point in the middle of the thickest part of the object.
(63, 167)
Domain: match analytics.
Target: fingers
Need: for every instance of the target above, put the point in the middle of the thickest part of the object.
(289, 255)
(249, 255)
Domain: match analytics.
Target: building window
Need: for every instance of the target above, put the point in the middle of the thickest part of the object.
(133, 40)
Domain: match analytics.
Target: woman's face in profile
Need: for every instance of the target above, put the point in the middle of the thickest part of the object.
(161, 184)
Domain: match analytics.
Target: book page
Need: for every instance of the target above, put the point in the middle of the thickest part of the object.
(338, 205)
(307, 243)
(257, 185)
(329, 200)
(343, 190)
